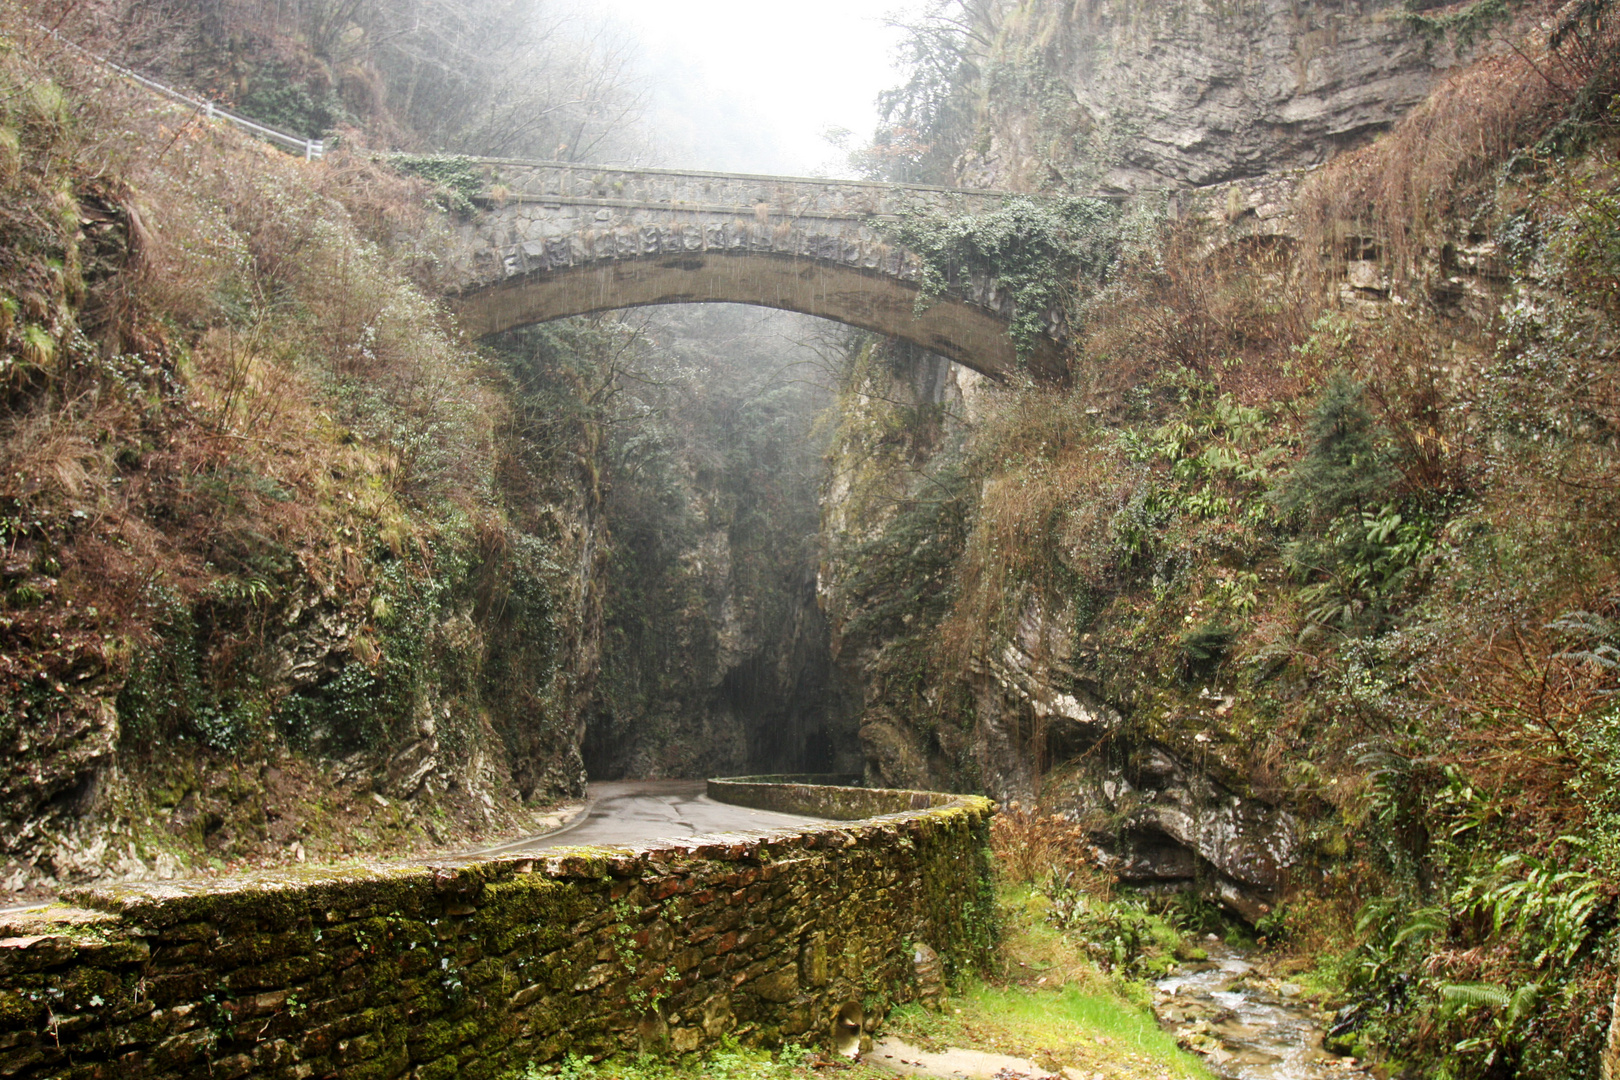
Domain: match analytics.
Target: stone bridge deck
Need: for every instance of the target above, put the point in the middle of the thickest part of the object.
(562, 239)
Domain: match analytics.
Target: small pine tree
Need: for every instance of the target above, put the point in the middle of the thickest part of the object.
(1346, 468)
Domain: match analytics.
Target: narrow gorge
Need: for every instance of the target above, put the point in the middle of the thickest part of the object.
(1207, 451)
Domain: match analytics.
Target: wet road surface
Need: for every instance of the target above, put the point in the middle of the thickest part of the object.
(626, 813)
(635, 812)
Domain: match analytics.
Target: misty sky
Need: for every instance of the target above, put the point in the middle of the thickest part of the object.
(750, 85)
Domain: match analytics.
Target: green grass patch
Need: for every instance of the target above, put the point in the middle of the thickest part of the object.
(729, 1062)
(1053, 1004)
(1089, 1029)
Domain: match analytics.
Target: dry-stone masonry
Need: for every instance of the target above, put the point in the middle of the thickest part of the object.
(473, 969)
(561, 239)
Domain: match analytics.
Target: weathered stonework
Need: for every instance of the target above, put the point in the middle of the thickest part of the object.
(471, 969)
(836, 797)
(560, 240)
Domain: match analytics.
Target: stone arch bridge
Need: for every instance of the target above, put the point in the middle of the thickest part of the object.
(564, 239)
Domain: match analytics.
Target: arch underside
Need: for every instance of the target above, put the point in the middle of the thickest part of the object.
(969, 335)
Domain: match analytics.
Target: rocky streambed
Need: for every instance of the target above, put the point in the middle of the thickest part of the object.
(1247, 1024)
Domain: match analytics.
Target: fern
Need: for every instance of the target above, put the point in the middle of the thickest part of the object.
(1424, 924)
(1599, 638)
(1522, 1004)
(1550, 911)
(1458, 996)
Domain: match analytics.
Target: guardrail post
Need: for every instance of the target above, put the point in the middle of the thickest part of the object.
(208, 109)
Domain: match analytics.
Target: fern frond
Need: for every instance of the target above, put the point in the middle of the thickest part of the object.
(1474, 995)
(1424, 923)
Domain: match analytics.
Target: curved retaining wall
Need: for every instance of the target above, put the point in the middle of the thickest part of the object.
(823, 795)
(472, 969)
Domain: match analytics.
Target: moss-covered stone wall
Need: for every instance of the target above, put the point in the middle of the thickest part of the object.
(829, 796)
(474, 969)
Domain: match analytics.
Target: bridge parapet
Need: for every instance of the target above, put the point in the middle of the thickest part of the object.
(731, 194)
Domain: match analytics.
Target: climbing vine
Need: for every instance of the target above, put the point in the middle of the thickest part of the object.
(1038, 253)
(456, 178)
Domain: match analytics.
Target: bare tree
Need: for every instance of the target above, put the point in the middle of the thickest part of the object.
(519, 78)
(503, 77)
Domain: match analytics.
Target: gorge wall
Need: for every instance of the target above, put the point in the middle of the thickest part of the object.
(1120, 95)
(1266, 607)
(273, 586)
(979, 664)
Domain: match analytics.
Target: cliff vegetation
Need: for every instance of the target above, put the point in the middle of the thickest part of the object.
(259, 507)
(1303, 596)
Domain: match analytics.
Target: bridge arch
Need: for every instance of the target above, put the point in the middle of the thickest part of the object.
(560, 240)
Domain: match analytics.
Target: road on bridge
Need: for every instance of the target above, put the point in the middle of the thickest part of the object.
(635, 812)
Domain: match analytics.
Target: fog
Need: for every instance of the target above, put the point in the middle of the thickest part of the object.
(742, 86)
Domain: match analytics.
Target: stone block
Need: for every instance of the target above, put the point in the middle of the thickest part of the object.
(229, 1068)
(26, 954)
(778, 986)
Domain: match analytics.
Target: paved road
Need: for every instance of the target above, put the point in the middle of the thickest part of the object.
(631, 812)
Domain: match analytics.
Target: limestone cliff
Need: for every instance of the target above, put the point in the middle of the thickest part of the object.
(289, 570)
(1124, 95)
(973, 654)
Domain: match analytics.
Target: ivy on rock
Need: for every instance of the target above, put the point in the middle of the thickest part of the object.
(1036, 252)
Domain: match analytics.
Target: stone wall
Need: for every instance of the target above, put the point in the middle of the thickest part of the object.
(836, 797)
(474, 969)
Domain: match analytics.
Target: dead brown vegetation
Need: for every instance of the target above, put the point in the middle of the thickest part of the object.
(1399, 200)
(214, 358)
(1030, 847)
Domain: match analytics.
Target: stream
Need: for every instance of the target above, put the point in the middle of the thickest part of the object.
(1246, 1025)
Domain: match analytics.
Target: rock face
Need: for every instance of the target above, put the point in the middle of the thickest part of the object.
(717, 659)
(1233, 99)
(1026, 718)
(1122, 95)
(1160, 820)
(1177, 827)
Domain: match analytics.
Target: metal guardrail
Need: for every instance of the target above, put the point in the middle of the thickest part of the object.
(311, 149)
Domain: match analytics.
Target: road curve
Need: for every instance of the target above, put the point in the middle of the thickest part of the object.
(635, 812)
(624, 813)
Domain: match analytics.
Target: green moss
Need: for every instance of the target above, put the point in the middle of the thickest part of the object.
(458, 180)
(17, 1012)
